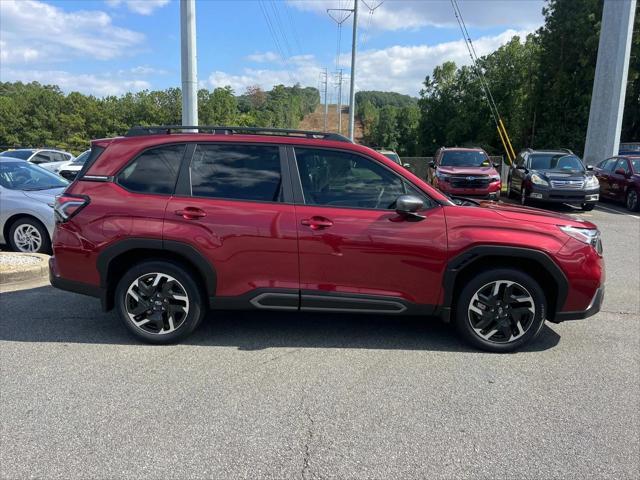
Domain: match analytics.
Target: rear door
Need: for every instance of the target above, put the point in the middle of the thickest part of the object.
(233, 204)
(356, 253)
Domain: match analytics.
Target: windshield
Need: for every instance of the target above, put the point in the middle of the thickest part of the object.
(556, 161)
(21, 154)
(629, 147)
(464, 159)
(80, 159)
(635, 164)
(393, 156)
(28, 177)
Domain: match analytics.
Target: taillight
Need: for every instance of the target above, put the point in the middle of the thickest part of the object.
(68, 205)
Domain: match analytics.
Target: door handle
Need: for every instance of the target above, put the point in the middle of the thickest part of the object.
(191, 213)
(316, 222)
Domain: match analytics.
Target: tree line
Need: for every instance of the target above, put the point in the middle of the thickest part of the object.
(35, 115)
(541, 85)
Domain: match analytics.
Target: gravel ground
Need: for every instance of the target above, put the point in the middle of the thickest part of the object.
(12, 261)
(281, 395)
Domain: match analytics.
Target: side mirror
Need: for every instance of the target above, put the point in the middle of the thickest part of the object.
(496, 165)
(408, 205)
(432, 164)
(589, 167)
(620, 171)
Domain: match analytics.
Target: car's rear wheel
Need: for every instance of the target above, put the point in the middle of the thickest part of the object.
(28, 235)
(632, 202)
(159, 302)
(587, 207)
(500, 310)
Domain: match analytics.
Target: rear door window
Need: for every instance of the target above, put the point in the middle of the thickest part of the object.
(237, 172)
(153, 171)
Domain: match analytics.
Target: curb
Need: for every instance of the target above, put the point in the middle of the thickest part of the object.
(30, 272)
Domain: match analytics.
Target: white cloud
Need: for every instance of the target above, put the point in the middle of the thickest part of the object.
(399, 68)
(32, 29)
(264, 57)
(143, 7)
(412, 14)
(403, 68)
(99, 85)
(147, 70)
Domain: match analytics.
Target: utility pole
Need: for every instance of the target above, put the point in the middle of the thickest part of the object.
(339, 105)
(189, 67)
(325, 80)
(610, 81)
(354, 44)
(352, 91)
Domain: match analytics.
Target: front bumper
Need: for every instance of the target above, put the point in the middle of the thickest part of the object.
(492, 191)
(592, 309)
(543, 194)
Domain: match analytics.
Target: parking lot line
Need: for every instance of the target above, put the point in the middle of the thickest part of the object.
(617, 211)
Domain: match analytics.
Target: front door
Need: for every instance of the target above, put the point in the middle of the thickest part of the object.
(231, 205)
(356, 253)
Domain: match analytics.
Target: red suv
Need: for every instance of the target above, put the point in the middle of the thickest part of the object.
(466, 172)
(165, 224)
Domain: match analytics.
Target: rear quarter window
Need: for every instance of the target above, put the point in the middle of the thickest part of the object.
(153, 171)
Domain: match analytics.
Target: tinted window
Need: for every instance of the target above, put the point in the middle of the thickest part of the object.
(464, 159)
(239, 172)
(558, 161)
(607, 165)
(22, 154)
(42, 157)
(635, 163)
(155, 171)
(29, 177)
(622, 163)
(343, 179)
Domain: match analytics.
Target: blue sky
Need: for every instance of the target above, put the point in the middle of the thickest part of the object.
(108, 47)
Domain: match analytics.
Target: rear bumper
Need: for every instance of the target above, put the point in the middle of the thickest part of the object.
(72, 286)
(592, 309)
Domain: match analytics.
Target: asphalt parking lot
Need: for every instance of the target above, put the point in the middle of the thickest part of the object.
(273, 395)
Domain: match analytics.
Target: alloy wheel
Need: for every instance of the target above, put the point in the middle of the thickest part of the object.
(632, 200)
(27, 238)
(157, 303)
(501, 311)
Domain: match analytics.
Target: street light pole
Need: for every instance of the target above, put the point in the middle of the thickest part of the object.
(352, 92)
(189, 67)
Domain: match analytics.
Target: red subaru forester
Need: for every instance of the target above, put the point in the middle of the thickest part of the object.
(167, 223)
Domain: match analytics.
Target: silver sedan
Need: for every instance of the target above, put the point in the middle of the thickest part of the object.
(27, 195)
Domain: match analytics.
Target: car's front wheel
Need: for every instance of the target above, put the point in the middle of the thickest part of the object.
(28, 235)
(159, 302)
(632, 202)
(500, 310)
(587, 207)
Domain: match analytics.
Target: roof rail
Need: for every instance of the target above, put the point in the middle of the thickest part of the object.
(224, 130)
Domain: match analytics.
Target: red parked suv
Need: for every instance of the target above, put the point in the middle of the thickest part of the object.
(165, 224)
(465, 172)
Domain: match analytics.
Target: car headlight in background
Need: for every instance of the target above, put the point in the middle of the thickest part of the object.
(592, 182)
(538, 180)
(589, 236)
(495, 178)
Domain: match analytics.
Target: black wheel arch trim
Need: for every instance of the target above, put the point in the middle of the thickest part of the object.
(468, 257)
(185, 250)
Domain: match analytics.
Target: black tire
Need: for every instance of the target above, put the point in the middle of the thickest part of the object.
(28, 223)
(184, 282)
(587, 207)
(632, 200)
(532, 323)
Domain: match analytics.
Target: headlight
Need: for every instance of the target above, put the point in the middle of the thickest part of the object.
(592, 182)
(495, 178)
(584, 235)
(538, 180)
(442, 176)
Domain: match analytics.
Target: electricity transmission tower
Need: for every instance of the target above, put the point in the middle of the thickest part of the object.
(339, 102)
(324, 80)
